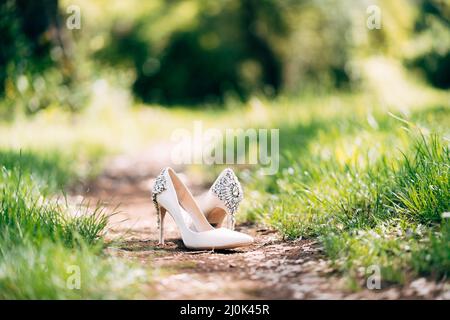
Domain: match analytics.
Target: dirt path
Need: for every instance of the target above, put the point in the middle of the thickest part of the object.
(270, 269)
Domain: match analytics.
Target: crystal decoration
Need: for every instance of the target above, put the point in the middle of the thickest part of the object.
(159, 186)
(229, 190)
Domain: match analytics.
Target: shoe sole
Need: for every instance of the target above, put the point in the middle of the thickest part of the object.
(234, 246)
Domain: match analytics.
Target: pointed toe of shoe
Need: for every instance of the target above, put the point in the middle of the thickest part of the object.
(221, 238)
(234, 239)
(248, 240)
(244, 239)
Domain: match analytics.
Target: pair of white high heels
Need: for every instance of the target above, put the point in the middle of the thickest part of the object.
(194, 218)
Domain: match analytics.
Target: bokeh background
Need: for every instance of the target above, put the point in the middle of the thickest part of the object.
(193, 53)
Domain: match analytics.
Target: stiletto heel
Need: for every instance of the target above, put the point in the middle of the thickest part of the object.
(170, 194)
(222, 199)
(161, 216)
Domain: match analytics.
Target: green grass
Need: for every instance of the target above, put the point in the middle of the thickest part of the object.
(50, 171)
(373, 192)
(45, 250)
(52, 271)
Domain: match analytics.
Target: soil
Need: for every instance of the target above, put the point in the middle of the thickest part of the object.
(271, 268)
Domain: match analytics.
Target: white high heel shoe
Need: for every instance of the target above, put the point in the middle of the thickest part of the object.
(222, 199)
(171, 195)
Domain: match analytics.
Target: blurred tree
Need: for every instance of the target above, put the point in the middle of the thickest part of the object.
(34, 55)
(12, 45)
(433, 28)
(320, 45)
(24, 26)
(227, 51)
(257, 18)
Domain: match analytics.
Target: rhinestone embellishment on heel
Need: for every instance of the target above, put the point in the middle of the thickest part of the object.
(159, 186)
(160, 183)
(229, 190)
